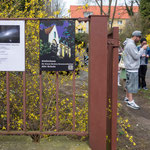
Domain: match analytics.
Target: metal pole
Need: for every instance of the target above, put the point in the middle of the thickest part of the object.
(98, 82)
(8, 101)
(24, 100)
(74, 104)
(57, 108)
(41, 105)
(114, 92)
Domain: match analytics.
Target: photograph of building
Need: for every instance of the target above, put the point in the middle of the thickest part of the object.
(57, 41)
(53, 38)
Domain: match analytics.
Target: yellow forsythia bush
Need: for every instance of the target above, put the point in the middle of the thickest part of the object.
(33, 9)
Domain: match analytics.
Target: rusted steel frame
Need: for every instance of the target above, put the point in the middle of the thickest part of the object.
(113, 42)
(109, 93)
(57, 106)
(74, 104)
(114, 91)
(8, 101)
(83, 19)
(41, 102)
(24, 100)
(42, 133)
(97, 82)
(24, 94)
(39, 18)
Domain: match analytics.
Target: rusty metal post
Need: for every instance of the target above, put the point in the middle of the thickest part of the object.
(98, 82)
(109, 91)
(41, 102)
(24, 101)
(57, 105)
(114, 91)
(8, 101)
(74, 104)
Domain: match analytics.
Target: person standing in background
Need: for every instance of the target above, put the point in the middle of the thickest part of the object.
(120, 50)
(132, 64)
(143, 64)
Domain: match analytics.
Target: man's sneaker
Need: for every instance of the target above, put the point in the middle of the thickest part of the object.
(145, 88)
(119, 84)
(126, 100)
(133, 105)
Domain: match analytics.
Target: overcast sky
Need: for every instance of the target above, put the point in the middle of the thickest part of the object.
(77, 2)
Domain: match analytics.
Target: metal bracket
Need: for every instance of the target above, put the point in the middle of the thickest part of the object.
(113, 42)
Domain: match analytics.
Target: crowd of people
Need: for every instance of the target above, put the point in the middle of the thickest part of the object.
(132, 66)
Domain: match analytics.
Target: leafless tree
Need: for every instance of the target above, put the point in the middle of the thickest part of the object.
(58, 5)
(101, 3)
(129, 6)
(114, 12)
(55, 7)
(137, 2)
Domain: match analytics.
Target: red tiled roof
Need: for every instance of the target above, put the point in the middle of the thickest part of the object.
(121, 12)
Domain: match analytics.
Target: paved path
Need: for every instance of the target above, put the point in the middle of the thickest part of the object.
(52, 143)
(139, 119)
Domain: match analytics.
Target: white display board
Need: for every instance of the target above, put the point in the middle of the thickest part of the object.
(12, 45)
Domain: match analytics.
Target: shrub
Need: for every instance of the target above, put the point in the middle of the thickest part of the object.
(82, 37)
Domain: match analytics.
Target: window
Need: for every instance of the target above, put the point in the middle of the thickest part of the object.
(54, 34)
(120, 30)
(87, 13)
(110, 22)
(80, 30)
(120, 22)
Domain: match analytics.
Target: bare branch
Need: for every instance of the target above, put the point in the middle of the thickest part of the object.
(129, 8)
(109, 9)
(100, 6)
(137, 2)
(113, 17)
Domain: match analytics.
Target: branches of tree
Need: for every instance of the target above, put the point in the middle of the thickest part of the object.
(144, 9)
(140, 21)
(128, 4)
(57, 8)
(100, 4)
(136, 22)
(137, 2)
(129, 8)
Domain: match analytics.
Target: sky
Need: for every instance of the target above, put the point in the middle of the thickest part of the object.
(70, 2)
(77, 2)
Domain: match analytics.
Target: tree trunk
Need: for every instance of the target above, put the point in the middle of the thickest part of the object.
(109, 8)
(114, 13)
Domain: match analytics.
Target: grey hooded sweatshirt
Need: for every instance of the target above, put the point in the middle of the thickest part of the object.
(132, 56)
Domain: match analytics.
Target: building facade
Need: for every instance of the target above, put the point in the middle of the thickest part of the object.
(120, 19)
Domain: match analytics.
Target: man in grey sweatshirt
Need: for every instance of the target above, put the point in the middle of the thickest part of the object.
(132, 64)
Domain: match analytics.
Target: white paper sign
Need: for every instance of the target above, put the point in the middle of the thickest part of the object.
(12, 45)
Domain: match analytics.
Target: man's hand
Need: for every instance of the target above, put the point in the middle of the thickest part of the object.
(145, 47)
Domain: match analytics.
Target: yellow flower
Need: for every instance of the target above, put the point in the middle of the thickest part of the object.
(134, 143)
(3, 128)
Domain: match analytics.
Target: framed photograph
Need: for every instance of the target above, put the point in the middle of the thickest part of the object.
(12, 45)
(9, 34)
(57, 45)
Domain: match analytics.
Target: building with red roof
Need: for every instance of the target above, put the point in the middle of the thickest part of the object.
(121, 15)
